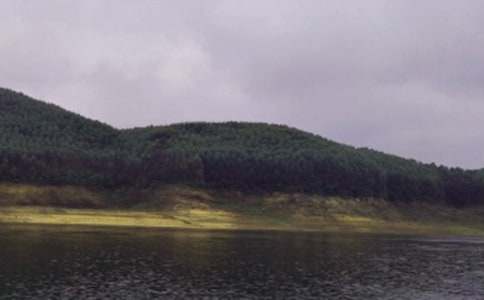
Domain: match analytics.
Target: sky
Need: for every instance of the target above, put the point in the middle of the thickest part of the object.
(400, 76)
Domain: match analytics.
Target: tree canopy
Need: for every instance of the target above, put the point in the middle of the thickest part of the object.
(45, 144)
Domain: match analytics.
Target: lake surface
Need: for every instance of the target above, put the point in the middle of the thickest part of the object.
(82, 263)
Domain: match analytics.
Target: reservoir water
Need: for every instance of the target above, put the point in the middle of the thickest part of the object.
(42, 262)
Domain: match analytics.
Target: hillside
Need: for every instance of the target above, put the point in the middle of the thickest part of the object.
(34, 126)
(44, 144)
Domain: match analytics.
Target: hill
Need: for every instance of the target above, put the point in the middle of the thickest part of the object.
(43, 144)
(34, 126)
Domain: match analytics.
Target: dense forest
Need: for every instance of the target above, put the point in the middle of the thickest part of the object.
(43, 144)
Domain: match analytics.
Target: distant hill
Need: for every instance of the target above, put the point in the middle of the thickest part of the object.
(45, 144)
(31, 125)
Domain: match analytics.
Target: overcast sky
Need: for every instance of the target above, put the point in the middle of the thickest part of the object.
(405, 77)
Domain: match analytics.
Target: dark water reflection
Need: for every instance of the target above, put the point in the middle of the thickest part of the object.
(49, 263)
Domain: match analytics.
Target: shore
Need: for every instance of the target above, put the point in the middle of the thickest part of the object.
(191, 208)
(222, 220)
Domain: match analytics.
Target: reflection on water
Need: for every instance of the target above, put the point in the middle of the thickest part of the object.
(79, 263)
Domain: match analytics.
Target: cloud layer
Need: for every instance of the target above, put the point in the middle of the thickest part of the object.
(402, 76)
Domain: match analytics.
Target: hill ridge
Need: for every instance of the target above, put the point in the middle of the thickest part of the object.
(45, 144)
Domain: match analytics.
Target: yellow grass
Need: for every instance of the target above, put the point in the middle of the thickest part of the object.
(224, 220)
(175, 206)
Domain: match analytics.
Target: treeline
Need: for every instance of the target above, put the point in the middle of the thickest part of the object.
(42, 143)
(261, 157)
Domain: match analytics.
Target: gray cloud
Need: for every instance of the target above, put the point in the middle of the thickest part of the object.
(401, 76)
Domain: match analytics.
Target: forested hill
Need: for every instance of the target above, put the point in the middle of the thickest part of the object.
(44, 144)
(33, 126)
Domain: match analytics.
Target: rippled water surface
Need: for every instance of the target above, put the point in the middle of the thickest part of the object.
(80, 263)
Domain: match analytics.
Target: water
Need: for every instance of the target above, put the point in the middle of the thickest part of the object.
(83, 263)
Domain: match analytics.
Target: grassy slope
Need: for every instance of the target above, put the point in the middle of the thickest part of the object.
(185, 207)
